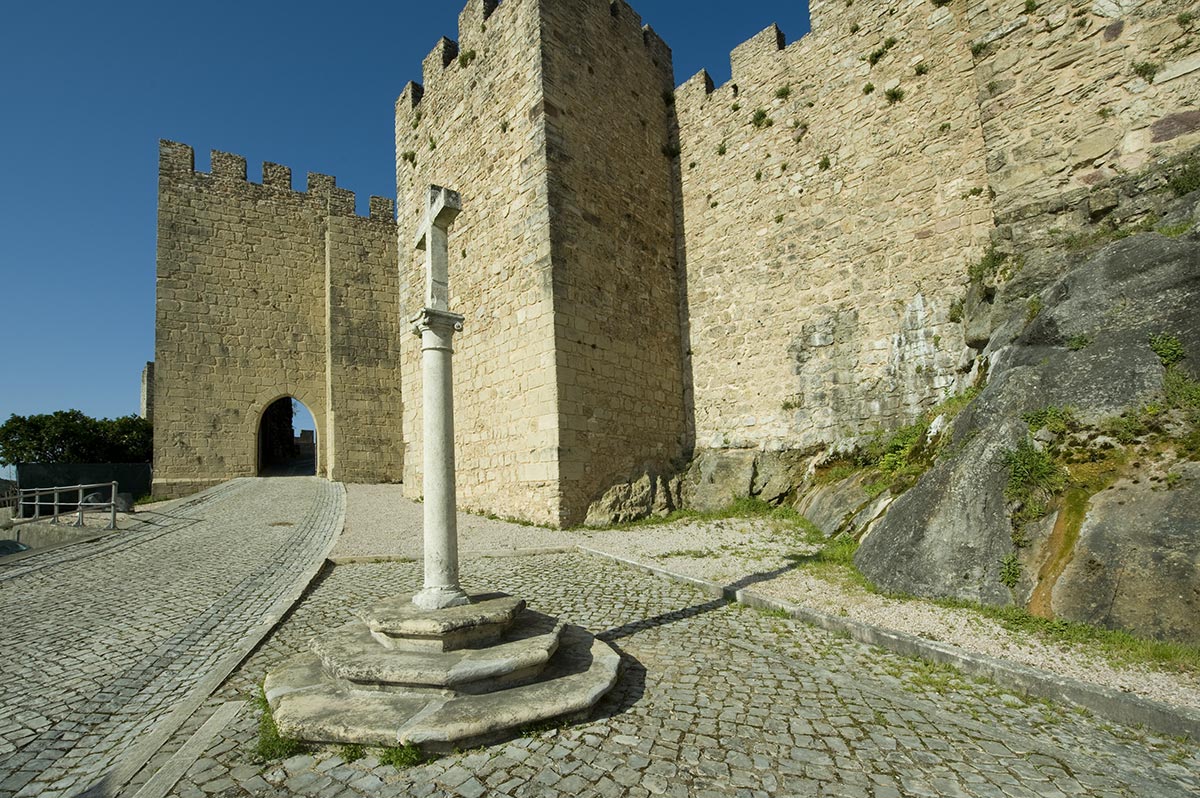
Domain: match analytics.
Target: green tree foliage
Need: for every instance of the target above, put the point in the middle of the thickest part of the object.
(69, 436)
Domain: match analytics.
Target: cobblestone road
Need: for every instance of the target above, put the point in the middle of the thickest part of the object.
(101, 640)
(715, 700)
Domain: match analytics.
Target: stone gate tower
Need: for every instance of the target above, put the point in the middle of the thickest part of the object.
(555, 121)
(263, 293)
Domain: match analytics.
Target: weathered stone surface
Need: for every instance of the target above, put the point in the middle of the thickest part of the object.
(308, 705)
(351, 652)
(949, 534)
(399, 623)
(717, 477)
(649, 494)
(834, 506)
(1137, 563)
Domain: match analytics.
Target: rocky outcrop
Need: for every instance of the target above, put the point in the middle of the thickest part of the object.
(1082, 342)
(647, 495)
(1137, 562)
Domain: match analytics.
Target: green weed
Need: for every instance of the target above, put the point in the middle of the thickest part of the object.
(1059, 420)
(402, 757)
(1034, 478)
(1168, 348)
(271, 745)
(1010, 571)
(1078, 342)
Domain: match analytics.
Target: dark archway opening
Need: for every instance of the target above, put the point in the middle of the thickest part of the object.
(285, 449)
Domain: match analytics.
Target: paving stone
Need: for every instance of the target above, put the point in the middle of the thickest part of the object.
(117, 631)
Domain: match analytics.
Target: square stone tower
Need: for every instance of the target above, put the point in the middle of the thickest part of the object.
(568, 373)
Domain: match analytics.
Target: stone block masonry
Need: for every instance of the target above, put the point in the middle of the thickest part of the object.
(552, 120)
(777, 263)
(265, 292)
(837, 188)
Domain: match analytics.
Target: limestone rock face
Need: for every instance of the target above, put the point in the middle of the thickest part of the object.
(649, 494)
(1137, 562)
(949, 534)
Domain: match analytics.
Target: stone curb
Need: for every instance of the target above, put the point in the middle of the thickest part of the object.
(129, 766)
(1123, 708)
(373, 559)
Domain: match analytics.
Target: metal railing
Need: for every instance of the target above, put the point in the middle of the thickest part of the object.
(27, 497)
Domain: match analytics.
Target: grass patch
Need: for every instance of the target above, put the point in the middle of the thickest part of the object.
(352, 752)
(1058, 420)
(1168, 348)
(1034, 479)
(737, 508)
(402, 757)
(1117, 647)
(271, 745)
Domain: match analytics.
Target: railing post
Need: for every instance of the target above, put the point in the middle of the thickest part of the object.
(79, 521)
(37, 506)
(112, 500)
(55, 521)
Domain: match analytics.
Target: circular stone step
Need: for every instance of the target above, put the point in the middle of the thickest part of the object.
(398, 623)
(308, 704)
(353, 653)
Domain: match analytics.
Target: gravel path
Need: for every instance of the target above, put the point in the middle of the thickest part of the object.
(381, 523)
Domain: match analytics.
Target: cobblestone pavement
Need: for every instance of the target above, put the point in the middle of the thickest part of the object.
(102, 640)
(714, 700)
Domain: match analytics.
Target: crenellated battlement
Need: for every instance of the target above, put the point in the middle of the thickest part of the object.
(475, 32)
(179, 160)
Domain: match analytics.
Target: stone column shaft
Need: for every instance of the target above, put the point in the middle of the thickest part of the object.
(437, 330)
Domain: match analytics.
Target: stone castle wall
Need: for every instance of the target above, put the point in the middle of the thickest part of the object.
(566, 372)
(827, 245)
(474, 125)
(775, 263)
(828, 226)
(1062, 104)
(242, 317)
(608, 85)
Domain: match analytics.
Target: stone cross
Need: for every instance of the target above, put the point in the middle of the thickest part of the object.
(436, 325)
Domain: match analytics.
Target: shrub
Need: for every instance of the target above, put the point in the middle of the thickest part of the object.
(409, 157)
(1186, 180)
(824, 164)
(921, 68)
(761, 119)
(1146, 70)
(988, 266)
(722, 149)
(868, 88)
(1033, 479)
(783, 92)
(940, 3)
(894, 95)
(1030, 6)
(465, 59)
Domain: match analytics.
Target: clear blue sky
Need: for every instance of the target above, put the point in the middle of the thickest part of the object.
(89, 88)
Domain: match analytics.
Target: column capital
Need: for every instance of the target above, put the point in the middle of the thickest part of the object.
(442, 322)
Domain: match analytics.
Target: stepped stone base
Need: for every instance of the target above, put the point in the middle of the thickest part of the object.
(371, 682)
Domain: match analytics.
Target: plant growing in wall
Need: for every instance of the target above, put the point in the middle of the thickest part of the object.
(761, 119)
(783, 92)
(409, 157)
(869, 88)
(824, 164)
(1146, 70)
(894, 95)
(465, 58)
(921, 68)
